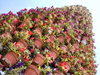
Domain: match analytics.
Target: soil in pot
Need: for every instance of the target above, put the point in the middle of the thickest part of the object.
(10, 59)
(32, 70)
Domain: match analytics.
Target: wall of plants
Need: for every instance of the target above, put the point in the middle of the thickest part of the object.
(47, 41)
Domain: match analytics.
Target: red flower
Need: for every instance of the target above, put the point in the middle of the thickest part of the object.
(68, 37)
(79, 49)
(56, 64)
(20, 27)
(61, 64)
(53, 28)
(65, 32)
(73, 47)
(64, 56)
(71, 57)
(30, 33)
(45, 49)
(32, 50)
(26, 59)
(0, 56)
(17, 44)
(22, 49)
(51, 45)
(14, 32)
(65, 67)
(0, 15)
(10, 17)
(92, 65)
(81, 68)
(18, 20)
(32, 38)
(51, 62)
(44, 24)
(4, 21)
(64, 63)
(35, 25)
(15, 20)
(49, 55)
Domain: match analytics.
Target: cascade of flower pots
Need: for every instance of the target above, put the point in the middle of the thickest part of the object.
(47, 41)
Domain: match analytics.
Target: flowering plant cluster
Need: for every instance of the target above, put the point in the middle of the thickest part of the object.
(47, 41)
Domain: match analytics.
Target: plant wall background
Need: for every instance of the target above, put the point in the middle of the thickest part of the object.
(66, 32)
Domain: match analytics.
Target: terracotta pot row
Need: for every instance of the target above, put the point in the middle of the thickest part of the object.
(39, 60)
(11, 57)
(52, 38)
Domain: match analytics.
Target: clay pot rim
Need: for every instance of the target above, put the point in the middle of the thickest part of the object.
(52, 36)
(61, 36)
(31, 66)
(54, 51)
(7, 33)
(24, 42)
(57, 72)
(39, 29)
(40, 40)
(68, 64)
(40, 55)
(13, 27)
(64, 46)
(7, 64)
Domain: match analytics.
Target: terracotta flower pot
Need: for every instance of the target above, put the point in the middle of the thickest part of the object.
(54, 53)
(84, 40)
(38, 43)
(10, 59)
(61, 38)
(68, 66)
(57, 73)
(16, 21)
(39, 59)
(1, 24)
(73, 49)
(68, 39)
(13, 28)
(38, 30)
(76, 44)
(64, 47)
(6, 34)
(23, 43)
(80, 61)
(52, 38)
(32, 70)
(24, 25)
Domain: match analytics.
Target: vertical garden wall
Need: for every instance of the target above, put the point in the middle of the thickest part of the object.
(47, 41)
